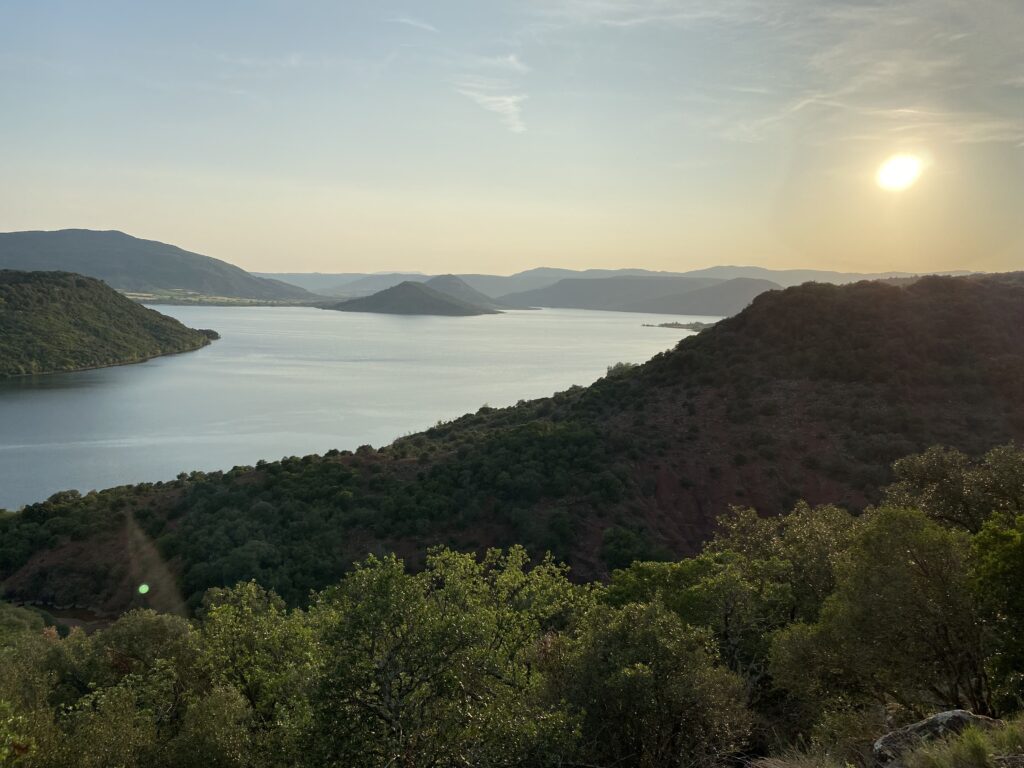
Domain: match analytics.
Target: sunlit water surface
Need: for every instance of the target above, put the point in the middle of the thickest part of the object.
(293, 381)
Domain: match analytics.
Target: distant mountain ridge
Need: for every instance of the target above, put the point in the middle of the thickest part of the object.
(457, 288)
(669, 294)
(365, 285)
(131, 264)
(722, 299)
(59, 321)
(604, 293)
(409, 298)
(790, 277)
(353, 284)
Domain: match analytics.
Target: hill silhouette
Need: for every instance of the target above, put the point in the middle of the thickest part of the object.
(411, 298)
(722, 299)
(457, 288)
(353, 284)
(131, 264)
(365, 285)
(58, 321)
(809, 393)
(790, 277)
(646, 294)
(605, 293)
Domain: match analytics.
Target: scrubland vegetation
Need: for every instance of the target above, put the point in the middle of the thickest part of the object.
(817, 630)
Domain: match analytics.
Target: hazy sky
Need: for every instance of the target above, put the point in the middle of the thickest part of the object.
(493, 136)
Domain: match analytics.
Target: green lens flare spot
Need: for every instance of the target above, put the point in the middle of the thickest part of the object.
(143, 589)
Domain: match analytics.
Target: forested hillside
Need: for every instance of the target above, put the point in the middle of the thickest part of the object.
(789, 641)
(811, 393)
(58, 321)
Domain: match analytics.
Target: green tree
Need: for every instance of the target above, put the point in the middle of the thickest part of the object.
(647, 690)
(262, 660)
(902, 625)
(757, 576)
(16, 745)
(434, 668)
(999, 587)
(954, 489)
(217, 731)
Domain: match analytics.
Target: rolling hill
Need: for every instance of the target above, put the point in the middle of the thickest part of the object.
(364, 285)
(646, 294)
(143, 266)
(790, 277)
(320, 283)
(541, 277)
(353, 284)
(411, 298)
(457, 288)
(604, 293)
(722, 299)
(58, 321)
(809, 393)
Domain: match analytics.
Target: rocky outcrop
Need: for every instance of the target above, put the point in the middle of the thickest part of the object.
(890, 748)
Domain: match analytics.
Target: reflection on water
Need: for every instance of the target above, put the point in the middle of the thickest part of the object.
(293, 381)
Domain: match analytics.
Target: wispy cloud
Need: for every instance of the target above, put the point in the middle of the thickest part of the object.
(284, 61)
(640, 13)
(495, 96)
(846, 70)
(509, 63)
(409, 21)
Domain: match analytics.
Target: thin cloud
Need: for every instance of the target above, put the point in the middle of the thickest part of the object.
(495, 96)
(856, 69)
(641, 13)
(509, 63)
(409, 21)
(286, 61)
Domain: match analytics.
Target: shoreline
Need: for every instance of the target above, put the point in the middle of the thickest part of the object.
(11, 376)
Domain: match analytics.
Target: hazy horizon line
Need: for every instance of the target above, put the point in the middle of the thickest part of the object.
(414, 271)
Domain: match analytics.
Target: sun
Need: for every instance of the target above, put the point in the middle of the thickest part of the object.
(899, 172)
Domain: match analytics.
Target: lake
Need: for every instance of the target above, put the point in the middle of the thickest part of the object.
(286, 381)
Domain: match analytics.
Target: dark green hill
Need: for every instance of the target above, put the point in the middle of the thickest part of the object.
(810, 392)
(411, 298)
(58, 321)
(143, 266)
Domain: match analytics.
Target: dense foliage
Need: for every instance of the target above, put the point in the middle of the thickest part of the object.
(58, 321)
(818, 628)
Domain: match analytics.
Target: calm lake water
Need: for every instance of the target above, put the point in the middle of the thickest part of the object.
(294, 381)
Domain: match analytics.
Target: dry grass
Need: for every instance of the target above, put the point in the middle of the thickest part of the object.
(996, 748)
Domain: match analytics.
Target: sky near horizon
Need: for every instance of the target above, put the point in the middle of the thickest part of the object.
(497, 136)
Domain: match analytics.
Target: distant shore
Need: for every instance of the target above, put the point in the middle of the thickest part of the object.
(694, 326)
(186, 298)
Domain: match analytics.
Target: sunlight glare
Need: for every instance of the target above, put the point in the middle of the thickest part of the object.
(899, 172)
